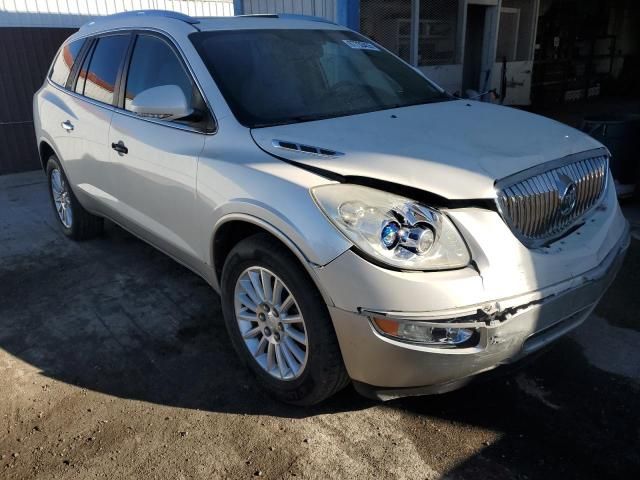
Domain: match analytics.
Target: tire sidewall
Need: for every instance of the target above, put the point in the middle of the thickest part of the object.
(309, 301)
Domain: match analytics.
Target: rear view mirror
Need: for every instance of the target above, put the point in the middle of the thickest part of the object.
(166, 102)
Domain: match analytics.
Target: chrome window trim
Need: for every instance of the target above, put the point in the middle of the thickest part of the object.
(528, 173)
(97, 103)
(180, 52)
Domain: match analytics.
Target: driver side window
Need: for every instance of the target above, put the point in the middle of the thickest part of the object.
(154, 64)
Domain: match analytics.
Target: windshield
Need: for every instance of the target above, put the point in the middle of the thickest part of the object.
(274, 77)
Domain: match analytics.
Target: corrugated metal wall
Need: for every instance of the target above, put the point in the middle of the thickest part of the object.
(316, 8)
(30, 33)
(74, 13)
(25, 55)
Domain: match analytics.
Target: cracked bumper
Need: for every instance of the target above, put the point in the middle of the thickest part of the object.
(386, 368)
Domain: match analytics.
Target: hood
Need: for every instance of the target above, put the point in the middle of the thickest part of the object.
(455, 149)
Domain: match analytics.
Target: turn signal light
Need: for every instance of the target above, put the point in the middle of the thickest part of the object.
(424, 333)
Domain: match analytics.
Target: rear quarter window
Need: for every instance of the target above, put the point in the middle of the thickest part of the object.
(63, 63)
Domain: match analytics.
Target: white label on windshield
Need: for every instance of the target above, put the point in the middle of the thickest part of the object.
(361, 45)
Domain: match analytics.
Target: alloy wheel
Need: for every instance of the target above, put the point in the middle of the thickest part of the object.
(61, 198)
(271, 323)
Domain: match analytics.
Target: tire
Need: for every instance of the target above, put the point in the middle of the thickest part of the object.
(321, 373)
(76, 222)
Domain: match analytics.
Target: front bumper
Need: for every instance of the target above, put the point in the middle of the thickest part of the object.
(509, 330)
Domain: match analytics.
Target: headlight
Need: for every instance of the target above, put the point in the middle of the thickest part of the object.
(391, 229)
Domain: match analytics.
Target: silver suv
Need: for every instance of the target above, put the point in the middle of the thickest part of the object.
(360, 224)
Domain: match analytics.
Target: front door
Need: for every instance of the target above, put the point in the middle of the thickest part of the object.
(155, 161)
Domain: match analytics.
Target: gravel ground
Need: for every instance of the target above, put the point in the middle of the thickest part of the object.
(114, 363)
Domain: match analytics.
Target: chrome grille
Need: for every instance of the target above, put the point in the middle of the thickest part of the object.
(542, 203)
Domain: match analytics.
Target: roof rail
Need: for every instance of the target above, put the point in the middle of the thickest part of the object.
(288, 16)
(310, 18)
(148, 13)
(257, 15)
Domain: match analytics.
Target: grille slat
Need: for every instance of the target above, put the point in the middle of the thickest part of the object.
(542, 219)
(537, 207)
(582, 196)
(538, 211)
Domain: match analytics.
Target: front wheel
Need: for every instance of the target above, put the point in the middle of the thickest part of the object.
(279, 323)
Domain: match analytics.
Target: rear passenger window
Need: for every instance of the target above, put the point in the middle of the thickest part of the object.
(100, 78)
(154, 64)
(64, 62)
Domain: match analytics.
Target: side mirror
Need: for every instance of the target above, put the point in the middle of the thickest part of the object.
(166, 102)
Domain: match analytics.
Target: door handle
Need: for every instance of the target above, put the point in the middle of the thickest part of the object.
(67, 125)
(120, 148)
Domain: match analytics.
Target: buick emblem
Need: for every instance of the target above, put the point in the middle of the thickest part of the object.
(567, 194)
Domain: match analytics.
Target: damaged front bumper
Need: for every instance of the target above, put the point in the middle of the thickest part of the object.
(507, 330)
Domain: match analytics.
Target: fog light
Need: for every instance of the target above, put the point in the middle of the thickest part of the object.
(426, 333)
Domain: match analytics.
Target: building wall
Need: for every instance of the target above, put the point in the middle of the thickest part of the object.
(30, 33)
(432, 36)
(25, 55)
(74, 13)
(316, 8)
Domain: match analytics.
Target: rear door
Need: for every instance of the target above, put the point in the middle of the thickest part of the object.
(155, 161)
(92, 105)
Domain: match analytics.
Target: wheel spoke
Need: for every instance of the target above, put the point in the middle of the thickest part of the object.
(277, 292)
(292, 362)
(251, 333)
(258, 351)
(295, 350)
(270, 357)
(56, 182)
(65, 214)
(247, 317)
(280, 361)
(247, 302)
(289, 319)
(256, 283)
(248, 288)
(296, 335)
(286, 305)
(265, 278)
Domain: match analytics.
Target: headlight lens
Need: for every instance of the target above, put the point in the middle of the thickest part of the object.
(394, 230)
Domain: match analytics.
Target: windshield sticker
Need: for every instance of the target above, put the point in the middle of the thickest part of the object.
(361, 45)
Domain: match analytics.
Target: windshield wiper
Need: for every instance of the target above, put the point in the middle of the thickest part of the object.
(316, 116)
(303, 118)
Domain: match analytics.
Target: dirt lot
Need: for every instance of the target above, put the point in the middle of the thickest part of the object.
(114, 363)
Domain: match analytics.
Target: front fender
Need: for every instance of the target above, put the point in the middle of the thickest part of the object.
(280, 235)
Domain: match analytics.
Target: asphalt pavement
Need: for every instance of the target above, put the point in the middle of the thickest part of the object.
(114, 363)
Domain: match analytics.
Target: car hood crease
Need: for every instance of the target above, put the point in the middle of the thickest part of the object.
(455, 149)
